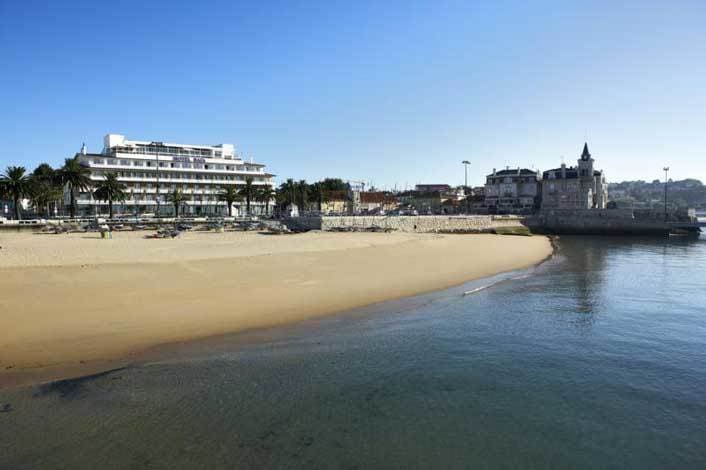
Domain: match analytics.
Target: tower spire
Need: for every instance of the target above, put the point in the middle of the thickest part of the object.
(585, 155)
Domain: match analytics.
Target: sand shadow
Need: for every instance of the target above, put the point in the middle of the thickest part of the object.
(71, 388)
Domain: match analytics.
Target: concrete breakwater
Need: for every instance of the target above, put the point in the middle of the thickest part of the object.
(420, 223)
(611, 221)
(588, 221)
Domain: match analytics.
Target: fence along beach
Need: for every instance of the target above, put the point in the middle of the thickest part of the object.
(75, 304)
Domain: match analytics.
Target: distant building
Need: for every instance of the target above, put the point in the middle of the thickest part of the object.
(428, 188)
(580, 187)
(457, 194)
(478, 191)
(515, 190)
(377, 201)
(337, 202)
(424, 202)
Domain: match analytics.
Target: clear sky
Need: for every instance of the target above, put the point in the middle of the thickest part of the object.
(392, 92)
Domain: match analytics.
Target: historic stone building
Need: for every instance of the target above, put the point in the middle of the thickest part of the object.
(512, 191)
(579, 187)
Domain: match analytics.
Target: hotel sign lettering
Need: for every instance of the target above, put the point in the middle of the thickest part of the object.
(189, 159)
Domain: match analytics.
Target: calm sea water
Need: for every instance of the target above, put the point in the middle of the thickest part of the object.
(596, 360)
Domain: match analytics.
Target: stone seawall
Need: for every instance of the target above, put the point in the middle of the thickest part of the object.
(606, 222)
(588, 221)
(421, 223)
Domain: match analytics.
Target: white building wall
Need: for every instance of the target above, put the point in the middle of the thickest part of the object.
(199, 178)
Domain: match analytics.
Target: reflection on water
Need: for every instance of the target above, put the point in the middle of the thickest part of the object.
(598, 360)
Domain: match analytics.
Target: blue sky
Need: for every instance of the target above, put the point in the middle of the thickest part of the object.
(391, 92)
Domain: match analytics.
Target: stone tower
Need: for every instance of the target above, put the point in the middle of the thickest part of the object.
(587, 180)
(587, 189)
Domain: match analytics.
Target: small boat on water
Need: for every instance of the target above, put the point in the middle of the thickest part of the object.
(681, 232)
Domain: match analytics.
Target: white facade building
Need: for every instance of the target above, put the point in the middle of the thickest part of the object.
(152, 170)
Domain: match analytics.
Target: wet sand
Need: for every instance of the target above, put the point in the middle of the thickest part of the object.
(76, 304)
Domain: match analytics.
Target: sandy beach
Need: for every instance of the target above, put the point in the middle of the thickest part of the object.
(76, 304)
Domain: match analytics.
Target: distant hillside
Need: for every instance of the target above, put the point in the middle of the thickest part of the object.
(684, 193)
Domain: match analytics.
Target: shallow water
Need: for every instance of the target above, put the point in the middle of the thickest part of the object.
(596, 360)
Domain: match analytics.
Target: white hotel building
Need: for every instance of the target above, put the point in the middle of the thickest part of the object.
(155, 169)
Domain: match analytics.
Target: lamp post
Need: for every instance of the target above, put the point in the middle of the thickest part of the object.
(666, 183)
(465, 181)
(465, 171)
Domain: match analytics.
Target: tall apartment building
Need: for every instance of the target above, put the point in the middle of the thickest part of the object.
(152, 170)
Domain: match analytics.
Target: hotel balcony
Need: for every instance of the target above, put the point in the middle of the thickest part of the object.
(260, 171)
(163, 180)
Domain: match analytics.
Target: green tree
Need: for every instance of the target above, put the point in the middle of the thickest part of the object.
(318, 193)
(302, 194)
(176, 198)
(248, 193)
(334, 184)
(265, 195)
(229, 195)
(45, 189)
(286, 193)
(75, 177)
(16, 185)
(110, 189)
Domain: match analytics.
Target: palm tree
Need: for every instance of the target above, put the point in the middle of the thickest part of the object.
(76, 177)
(45, 189)
(302, 194)
(286, 194)
(248, 193)
(318, 192)
(110, 190)
(16, 185)
(176, 198)
(229, 195)
(265, 195)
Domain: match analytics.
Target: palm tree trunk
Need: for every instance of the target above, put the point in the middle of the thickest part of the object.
(16, 200)
(72, 207)
(230, 209)
(247, 205)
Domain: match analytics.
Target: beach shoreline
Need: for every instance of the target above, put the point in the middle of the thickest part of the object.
(75, 306)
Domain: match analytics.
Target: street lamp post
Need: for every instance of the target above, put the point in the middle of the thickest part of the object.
(465, 180)
(666, 183)
(465, 170)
